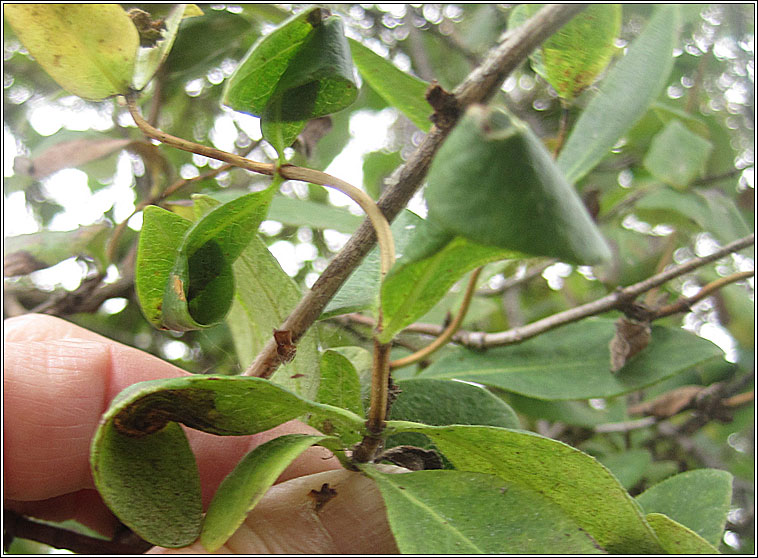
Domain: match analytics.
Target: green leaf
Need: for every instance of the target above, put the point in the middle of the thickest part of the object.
(29, 252)
(585, 490)
(412, 289)
(264, 297)
(402, 91)
(627, 466)
(456, 512)
(150, 482)
(573, 362)
(200, 286)
(623, 96)
(205, 41)
(300, 71)
(149, 59)
(340, 385)
(494, 182)
(440, 402)
(253, 83)
(698, 499)
(162, 232)
(88, 49)
(243, 488)
(676, 538)
(676, 155)
(574, 56)
(377, 166)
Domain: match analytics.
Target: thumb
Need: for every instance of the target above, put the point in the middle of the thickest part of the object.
(292, 519)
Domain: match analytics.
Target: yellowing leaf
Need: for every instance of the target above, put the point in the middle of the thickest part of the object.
(89, 49)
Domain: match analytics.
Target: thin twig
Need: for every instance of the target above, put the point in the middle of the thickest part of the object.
(366, 203)
(447, 334)
(626, 426)
(739, 399)
(380, 379)
(479, 86)
(192, 147)
(614, 301)
(19, 526)
(684, 304)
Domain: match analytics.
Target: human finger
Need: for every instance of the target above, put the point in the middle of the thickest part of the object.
(59, 379)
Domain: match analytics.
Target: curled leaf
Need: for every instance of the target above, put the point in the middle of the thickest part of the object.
(631, 337)
(193, 288)
(494, 182)
(143, 465)
(300, 71)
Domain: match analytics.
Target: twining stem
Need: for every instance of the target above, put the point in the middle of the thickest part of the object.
(366, 203)
(478, 87)
(290, 172)
(449, 331)
(192, 147)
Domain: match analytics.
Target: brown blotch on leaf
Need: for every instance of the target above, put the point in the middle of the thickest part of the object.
(445, 105)
(285, 347)
(152, 412)
(413, 458)
(321, 497)
(632, 334)
(178, 287)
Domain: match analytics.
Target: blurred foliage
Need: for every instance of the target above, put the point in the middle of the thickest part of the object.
(650, 218)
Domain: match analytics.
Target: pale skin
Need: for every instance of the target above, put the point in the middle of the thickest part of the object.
(59, 378)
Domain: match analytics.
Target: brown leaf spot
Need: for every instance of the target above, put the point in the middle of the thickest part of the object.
(321, 497)
(413, 458)
(178, 287)
(327, 427)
